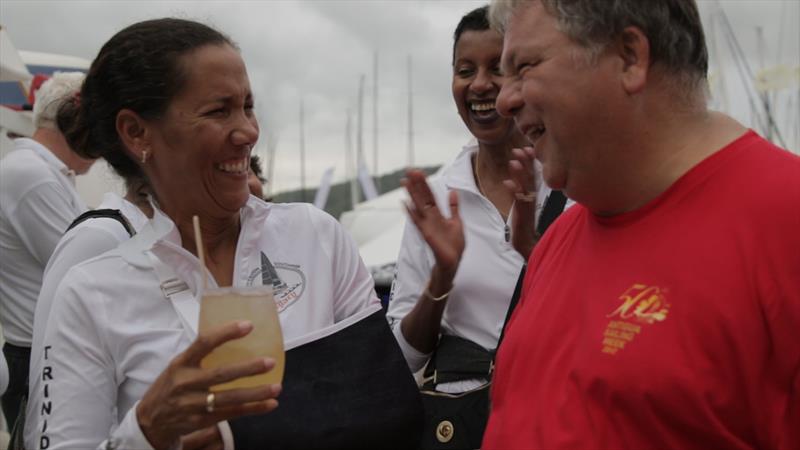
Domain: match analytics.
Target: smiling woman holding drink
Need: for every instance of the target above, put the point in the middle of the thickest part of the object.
(125, 365)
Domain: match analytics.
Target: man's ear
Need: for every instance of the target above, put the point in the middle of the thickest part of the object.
(134, 133)
(633, 48)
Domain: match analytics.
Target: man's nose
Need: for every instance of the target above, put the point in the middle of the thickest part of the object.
(509, 100)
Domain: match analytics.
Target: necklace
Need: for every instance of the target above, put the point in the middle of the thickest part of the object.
(478, 177)
(506, 228)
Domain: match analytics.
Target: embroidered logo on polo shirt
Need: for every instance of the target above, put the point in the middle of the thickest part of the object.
(642, 305)
(287, 280)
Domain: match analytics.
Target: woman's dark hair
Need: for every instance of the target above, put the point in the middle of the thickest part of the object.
(255, 166)
(475, 20)
(138, 69)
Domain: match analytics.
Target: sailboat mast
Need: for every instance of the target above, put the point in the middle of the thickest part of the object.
(375, 119)
(360, 126)
(302, 153)
(765, 97)
(767, 122)
(722, 91)
(349, 165)
(410, 118)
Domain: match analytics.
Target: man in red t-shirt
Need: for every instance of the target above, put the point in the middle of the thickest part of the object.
(664, 310)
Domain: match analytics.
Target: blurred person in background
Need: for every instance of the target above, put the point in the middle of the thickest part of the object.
(38, 201)
(93, 233)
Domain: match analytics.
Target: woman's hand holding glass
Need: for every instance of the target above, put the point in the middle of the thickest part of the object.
(179, 400)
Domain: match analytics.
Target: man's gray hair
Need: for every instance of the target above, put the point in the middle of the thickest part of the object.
(62, 86)
(673, 29)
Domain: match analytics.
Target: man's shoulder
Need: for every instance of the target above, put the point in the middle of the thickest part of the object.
(22, 170)
(754, 149)
(774, 188)
(24, 162)
(22, 159)
(767, 169)
(786, 165)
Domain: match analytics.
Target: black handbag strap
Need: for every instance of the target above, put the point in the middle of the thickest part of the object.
(553, 207)
(457, 358)
(512, 304)
(114, 214)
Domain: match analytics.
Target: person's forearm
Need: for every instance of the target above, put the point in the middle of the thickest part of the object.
(421, 326)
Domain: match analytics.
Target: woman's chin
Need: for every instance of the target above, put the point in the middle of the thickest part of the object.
(499, 133)
(231, 204)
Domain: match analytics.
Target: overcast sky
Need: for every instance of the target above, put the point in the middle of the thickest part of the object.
(315, 51)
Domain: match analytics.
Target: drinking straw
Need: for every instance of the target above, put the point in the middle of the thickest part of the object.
(198, 242)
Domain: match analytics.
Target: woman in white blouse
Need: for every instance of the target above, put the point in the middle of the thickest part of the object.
(170, 99)
(470, 230)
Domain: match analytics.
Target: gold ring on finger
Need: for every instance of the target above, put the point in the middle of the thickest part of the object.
(210, 400)
(527, 197)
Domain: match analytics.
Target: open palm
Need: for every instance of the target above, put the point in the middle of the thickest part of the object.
(444, 235)
(522, 185)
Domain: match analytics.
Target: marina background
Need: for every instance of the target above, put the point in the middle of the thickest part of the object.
(316, 56)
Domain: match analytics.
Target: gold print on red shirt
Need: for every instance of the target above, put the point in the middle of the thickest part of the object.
(641, 305)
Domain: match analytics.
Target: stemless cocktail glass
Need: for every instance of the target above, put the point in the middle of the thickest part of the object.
(223, 305)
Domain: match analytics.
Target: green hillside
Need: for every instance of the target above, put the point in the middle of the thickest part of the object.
(339, 198)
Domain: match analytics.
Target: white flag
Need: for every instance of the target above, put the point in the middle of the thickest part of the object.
(367, 185)
(11, 66)
(324, 189)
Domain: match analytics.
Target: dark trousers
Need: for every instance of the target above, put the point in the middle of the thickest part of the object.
(19, 359)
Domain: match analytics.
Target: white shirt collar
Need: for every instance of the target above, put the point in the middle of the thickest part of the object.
(166, 231)
(459, 173)
(160, 235)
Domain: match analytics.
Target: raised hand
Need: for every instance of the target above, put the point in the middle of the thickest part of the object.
(523, 185)
(179, 401)
(445, 236)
